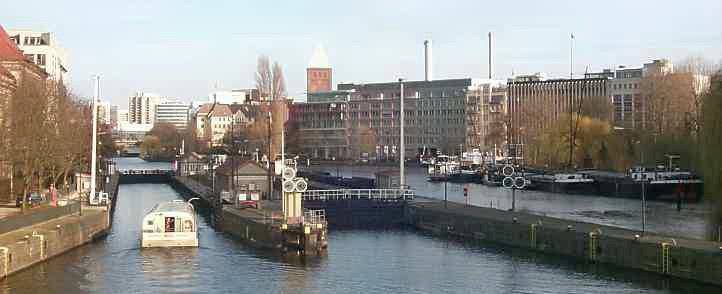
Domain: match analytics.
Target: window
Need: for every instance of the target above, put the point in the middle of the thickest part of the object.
(41, 59)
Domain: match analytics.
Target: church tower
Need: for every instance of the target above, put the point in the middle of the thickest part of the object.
(318, 72)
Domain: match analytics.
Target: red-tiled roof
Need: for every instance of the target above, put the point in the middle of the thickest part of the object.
(221, 110)
(205, 108)
(8, 49)
(7, 73)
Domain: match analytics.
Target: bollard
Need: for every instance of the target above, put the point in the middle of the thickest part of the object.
(6, 259)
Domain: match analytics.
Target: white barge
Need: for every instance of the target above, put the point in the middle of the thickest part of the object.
(170, 224)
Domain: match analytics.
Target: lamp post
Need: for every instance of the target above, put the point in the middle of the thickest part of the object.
(94, 159)
(644, 188)
(402, 153)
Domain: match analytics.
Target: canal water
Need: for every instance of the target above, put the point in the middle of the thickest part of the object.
(661, 217)
(358, 261)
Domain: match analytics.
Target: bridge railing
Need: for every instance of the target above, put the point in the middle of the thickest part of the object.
(144, 171)
(358, 194)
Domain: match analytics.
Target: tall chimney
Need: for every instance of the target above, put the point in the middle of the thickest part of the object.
(427, 60)
(490, 75)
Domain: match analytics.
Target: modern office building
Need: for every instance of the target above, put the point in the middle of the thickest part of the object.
(122, 116)
(173, 112)
(435, 117)
(234, 96)
(486, 118)
(536, 103)
(108, 113)
(141, 107)
(626, 94)
(43, 49)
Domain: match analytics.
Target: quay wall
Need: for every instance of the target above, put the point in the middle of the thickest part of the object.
(25, 247)
(690, 259)
(258, 234)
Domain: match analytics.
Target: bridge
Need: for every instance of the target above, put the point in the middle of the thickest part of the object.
(143, 176)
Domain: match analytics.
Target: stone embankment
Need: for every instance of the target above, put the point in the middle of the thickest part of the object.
(684, 258)
(30, 245)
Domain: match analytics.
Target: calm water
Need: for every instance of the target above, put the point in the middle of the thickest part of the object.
(357, 262)
(662, 217)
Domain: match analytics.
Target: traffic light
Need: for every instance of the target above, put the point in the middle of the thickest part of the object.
(466, 192)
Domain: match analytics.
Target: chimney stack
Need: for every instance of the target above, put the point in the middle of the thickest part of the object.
(427, 60)
(490, 74)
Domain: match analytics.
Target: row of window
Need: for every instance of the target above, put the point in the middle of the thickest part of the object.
(28, 41)
(38, 59)
(625, 86)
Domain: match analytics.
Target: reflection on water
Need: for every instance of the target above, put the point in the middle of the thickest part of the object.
(358, 261)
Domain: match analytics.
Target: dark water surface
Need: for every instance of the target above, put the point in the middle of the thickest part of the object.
(359, 261)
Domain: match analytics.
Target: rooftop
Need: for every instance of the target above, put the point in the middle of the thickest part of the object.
(8, 50)
(319, 59)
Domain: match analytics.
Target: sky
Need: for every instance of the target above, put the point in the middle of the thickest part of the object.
(183, 49)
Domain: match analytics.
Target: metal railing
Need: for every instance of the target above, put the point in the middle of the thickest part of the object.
(144, 171)
(314, 216)
(358, 194)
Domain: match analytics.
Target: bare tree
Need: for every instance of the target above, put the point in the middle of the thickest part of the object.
(698, 70)
(28, 123)
(271, 86)
(711, 158)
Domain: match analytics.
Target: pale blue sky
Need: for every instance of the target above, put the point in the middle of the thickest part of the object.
(182, 48)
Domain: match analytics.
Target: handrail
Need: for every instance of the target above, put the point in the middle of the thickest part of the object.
(360, 194)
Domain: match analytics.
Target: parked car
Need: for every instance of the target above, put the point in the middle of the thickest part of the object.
(33, 199)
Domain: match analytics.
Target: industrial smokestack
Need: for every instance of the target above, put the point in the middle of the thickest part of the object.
(490, 74)
(427, 60)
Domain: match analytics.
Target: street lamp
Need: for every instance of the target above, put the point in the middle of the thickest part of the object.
(643, 178)
(644, 181)
(402, 154)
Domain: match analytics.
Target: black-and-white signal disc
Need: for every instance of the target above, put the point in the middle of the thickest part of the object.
(508, 170)
(519, 183)
(507, 182)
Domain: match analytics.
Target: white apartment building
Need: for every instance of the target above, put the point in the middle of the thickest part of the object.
(43, 49)
(173, 112)
(108, 113)
(122, 116)
(624, 89)
(141, 107)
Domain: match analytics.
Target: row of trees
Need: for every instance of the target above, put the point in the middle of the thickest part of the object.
(45, 132)
(710, 140)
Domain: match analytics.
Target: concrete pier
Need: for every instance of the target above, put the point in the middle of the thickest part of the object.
(684, 258)
(267, 229)
(27, 246)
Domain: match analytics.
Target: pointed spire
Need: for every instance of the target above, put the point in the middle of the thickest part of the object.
(319, 59)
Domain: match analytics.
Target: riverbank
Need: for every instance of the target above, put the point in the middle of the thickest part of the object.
(26, 246)
(684, 258)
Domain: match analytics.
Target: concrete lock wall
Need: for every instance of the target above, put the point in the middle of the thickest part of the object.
(259, 234)
(690, 259)
(26, 247)
(36, 216)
